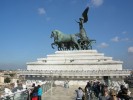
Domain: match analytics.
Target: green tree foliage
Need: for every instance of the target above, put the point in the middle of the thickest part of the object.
(7, 80)
(12, 75)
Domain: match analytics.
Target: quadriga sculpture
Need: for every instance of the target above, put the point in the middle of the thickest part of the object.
(65, 41)
(78, 41)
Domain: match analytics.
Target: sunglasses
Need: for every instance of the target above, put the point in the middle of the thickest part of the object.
(113, 95)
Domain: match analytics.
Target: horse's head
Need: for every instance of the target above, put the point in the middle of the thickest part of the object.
(52, 34)
(55, 34)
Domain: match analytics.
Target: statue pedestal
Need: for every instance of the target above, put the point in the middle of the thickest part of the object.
(77, 66)
(75, 60)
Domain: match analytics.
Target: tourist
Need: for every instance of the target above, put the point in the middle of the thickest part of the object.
(80, 94)
(83, 97)
(113, 95)
(66, 84)
(98, 89)
(104, 94)
(123, 94)
(39, 92)
(34, 93)
(88, 91)
(120, 92)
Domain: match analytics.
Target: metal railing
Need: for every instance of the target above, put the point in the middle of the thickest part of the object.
(24, 95)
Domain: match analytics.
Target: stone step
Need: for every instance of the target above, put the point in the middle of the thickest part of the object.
(72, 60)
(76, 58)
(76, 51)
(75, 55)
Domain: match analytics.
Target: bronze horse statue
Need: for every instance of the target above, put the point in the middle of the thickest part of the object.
(64, 41)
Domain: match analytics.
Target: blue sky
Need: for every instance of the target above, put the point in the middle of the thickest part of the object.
(26, 25)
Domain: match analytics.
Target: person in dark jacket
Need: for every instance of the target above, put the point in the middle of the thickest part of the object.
(34, 92)
(104, 95)
(123, 94)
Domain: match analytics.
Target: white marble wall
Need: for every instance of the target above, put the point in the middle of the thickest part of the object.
(75, 67)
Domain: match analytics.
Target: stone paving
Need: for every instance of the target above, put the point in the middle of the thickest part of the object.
(60, 93)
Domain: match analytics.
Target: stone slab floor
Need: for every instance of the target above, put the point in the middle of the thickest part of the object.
(60, 93)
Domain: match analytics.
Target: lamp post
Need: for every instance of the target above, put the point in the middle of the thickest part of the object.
(51, 82)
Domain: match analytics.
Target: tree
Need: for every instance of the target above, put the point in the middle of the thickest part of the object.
(7, 80)
(12, 74)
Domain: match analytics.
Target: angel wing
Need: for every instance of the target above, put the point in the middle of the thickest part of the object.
(84, 14)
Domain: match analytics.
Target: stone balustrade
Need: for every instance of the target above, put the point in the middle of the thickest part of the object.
(76, 72)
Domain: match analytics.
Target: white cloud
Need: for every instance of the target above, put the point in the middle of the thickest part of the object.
(125, 39)
(115, 39)
(103, 45)
(124, 32)
(118, 39)
(41, 11)
(97, 2)
(130, 49)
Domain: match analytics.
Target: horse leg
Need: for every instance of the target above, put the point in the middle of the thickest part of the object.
(79, 47)
(59, 48)
(74, 40)
(52, 45)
